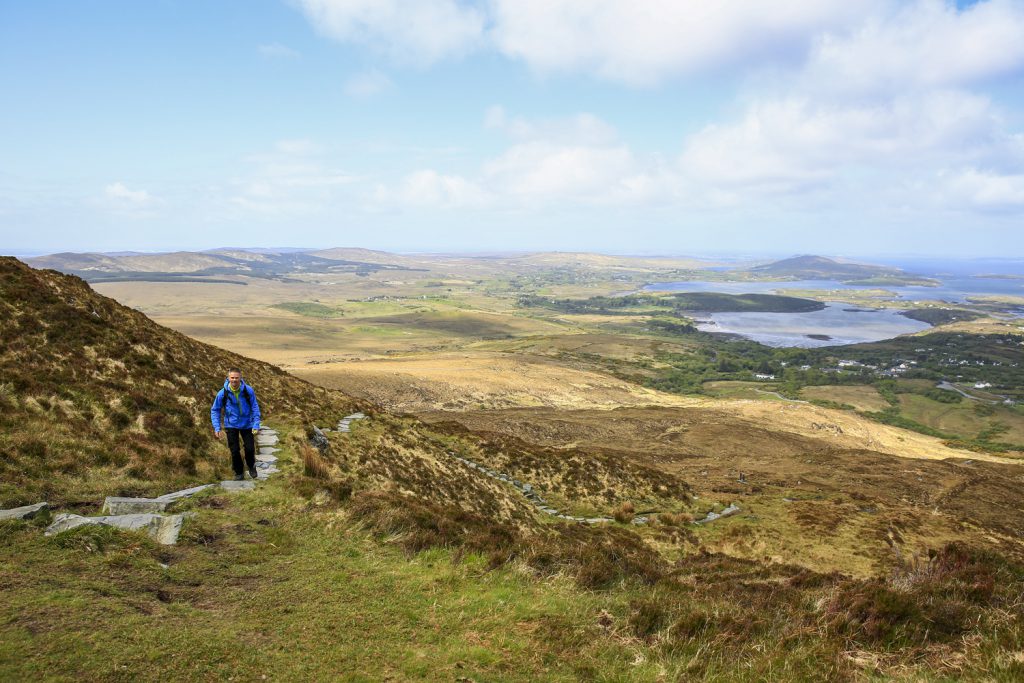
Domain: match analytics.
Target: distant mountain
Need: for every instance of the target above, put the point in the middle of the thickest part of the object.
(606, 261)
(93, 393)
(808, 267)
(219, 265)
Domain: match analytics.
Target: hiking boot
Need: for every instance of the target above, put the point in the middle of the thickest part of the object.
(239, 477)
(252, 472)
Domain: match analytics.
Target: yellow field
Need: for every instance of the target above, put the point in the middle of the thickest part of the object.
(863, 398)
(961, 418)
(479, 380)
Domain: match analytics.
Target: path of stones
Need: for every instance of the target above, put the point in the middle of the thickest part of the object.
(147, 513)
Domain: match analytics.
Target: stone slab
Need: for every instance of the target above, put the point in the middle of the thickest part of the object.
(24, 512)
(163, 529)
(712, 516)
(265, 458)
(115, 505)
(233, 486)
(184, 493)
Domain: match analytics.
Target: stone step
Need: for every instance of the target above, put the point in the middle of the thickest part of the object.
(24, 512)
(115, 505)
(164, 529)
(234, 486)
(184, 493)
(265, 458)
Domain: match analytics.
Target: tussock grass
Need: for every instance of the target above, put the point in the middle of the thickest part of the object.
(313, 464)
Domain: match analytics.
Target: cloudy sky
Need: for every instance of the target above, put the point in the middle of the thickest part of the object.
(863, 128)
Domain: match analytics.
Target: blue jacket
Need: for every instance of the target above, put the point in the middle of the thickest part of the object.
(240, 413)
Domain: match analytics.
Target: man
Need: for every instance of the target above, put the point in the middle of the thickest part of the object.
(237, 401)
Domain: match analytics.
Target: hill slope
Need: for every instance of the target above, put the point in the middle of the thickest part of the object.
(94, 393)
(810, 267)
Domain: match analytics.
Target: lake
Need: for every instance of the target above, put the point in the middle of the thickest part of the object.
(841, 322)
(953, 290)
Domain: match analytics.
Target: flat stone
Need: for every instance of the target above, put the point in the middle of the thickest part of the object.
(712, 516)
(263, 475)
(163, 529)
(232, 486)
(24, 512)
(269, 450)
(270, 441)
(115, 505)
(184, 493)
(265, 458)
(355, 416)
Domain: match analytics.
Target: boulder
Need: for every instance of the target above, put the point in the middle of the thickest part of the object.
(24, 512)
(318, 440)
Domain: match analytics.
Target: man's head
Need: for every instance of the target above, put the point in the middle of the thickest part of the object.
(234, 378)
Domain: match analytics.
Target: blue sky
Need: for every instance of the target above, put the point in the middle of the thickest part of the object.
(649, 126)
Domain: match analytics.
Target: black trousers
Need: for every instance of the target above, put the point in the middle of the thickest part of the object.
(236, 455)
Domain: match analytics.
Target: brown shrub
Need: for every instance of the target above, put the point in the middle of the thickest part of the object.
(598, 557)
(933, 599)
(624, 513)
(313, 464)
(675, 519)
(422, 524)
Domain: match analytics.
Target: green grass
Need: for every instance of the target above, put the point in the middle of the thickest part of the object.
(309, 308)
(259, 587)
(286, 583)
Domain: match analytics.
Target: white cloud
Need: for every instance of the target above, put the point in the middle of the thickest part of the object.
(927, 44)
(542, 170)
(295, 178)
(367, 84)
(414, 31)
(792, 143)
(886, 106)
(278, 51)
(575, 160)
(986, 191)
(428, 188)
(645, 42)
(582, 128)
(120, 194)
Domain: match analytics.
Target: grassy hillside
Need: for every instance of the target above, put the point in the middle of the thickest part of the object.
(96, 399)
